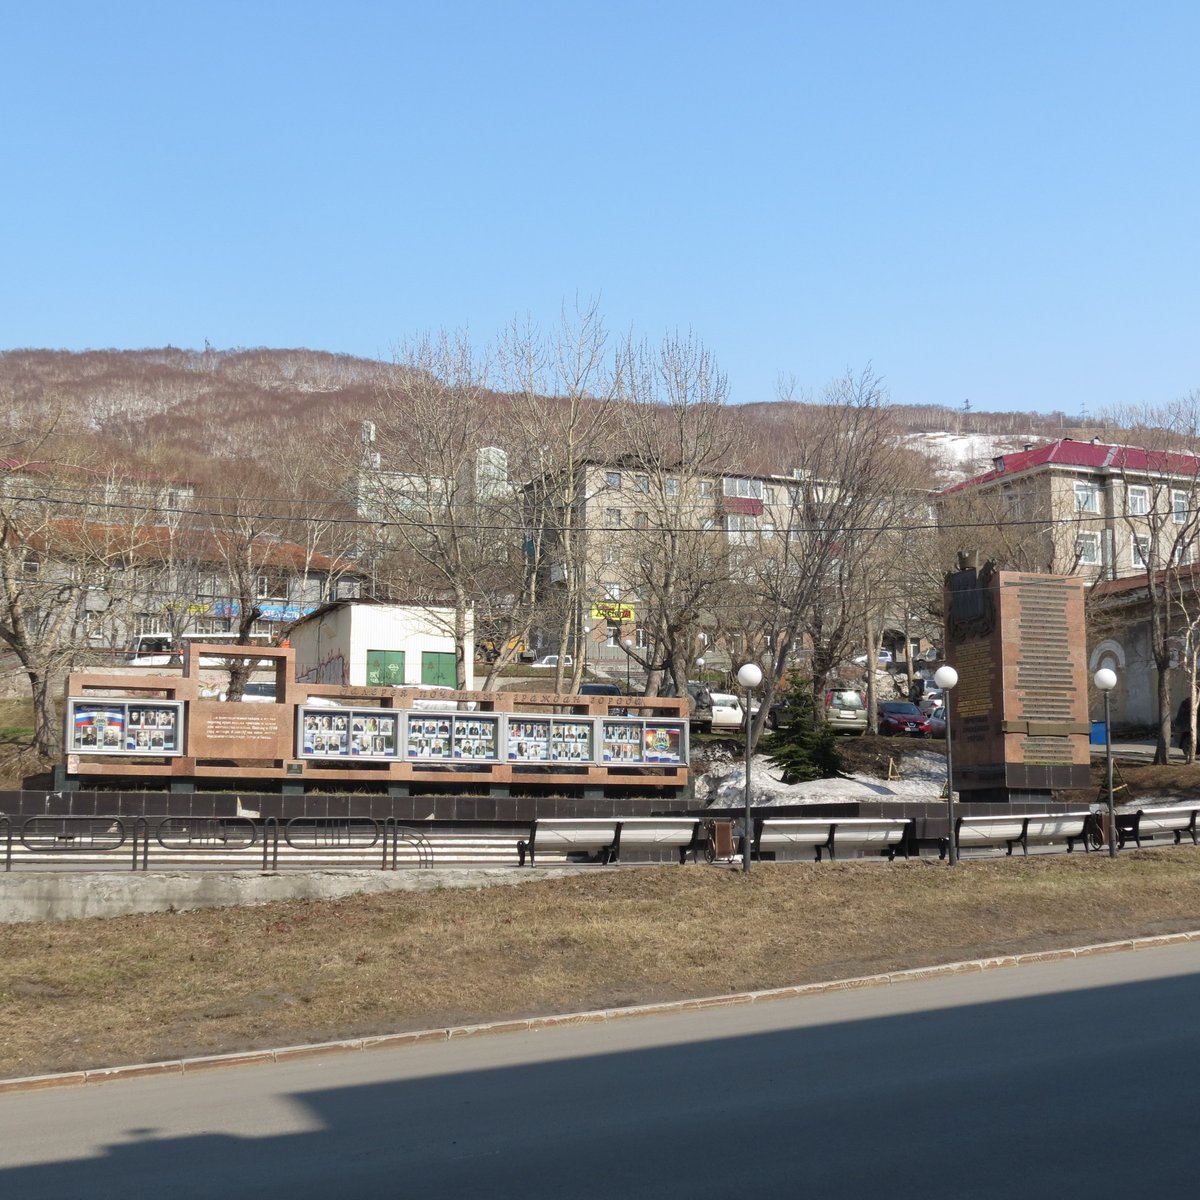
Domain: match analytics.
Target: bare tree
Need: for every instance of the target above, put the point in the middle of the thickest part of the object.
(447, 504)
(65, 566)
(673, 553)
(849, 495)
(1160, 513)
(562, 391)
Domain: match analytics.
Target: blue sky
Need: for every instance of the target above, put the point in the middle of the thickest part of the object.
(988, 202)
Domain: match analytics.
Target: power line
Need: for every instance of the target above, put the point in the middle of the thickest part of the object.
(834, 528)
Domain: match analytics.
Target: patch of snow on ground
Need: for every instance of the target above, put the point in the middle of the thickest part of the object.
(922, 777)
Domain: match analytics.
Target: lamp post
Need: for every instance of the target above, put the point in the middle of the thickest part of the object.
(749, 676)
(628, 658)
(1105, 680)
(946, 677)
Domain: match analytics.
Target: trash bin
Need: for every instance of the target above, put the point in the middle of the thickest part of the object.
(1099, 734)
(720, 840)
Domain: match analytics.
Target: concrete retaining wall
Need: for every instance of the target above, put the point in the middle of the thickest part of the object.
(63, 896)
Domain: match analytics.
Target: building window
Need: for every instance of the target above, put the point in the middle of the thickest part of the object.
(739, 527)
(1087, 497)
(1138, 499)
(30, 566)
(1087, 549)
(639, 638)
(744, 489)
(1179, 507)
(613, 638)
(671, 487)
(264, 588)
(1140, 545)
(640, 521)
(768, 529)
(641, 483)
(612, 479)
(769, 494)
(612, 518)
(706, 487)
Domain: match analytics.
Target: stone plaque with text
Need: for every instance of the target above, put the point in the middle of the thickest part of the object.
(1019, 715)
(244, 731)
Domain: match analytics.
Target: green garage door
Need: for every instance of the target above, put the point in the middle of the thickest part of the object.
(385, 668)
(439, 669)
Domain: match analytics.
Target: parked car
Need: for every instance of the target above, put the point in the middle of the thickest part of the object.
(931, 700)
(937, 723)
(599, 689)
(884, 659)
(845, 711)
(252, 693)
(551, 660)
(902, 718)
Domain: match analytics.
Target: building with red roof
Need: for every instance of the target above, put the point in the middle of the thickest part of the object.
(1092, 508)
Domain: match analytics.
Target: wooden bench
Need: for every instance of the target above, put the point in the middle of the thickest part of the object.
(1148, 822)
(832, 834)
(1012, 829)
(608, 836)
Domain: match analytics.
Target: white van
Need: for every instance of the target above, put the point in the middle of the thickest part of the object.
(158, 649)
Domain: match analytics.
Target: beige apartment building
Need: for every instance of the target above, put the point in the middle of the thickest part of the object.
(1088, 507)
(627, 522)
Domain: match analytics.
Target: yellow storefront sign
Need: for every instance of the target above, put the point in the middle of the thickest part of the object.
(612, 612)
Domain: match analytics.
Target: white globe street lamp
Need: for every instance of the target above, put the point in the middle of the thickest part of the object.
(946, 677)
(749, 676)
(1105, 680)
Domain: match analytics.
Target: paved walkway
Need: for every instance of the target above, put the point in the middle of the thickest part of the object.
(1137, 751)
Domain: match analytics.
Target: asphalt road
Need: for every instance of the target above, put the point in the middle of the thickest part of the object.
(1073, 1078)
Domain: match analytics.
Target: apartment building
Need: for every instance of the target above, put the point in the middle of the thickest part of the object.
(1092, 508)
(636, 530)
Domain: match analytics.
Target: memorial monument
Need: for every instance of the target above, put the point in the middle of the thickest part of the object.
(1019, 715)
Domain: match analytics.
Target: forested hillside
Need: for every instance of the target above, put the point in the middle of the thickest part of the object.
(187, 407)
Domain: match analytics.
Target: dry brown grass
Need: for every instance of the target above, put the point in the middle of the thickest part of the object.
(94, 993)
(99, 992)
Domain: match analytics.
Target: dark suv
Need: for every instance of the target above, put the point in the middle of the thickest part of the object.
(599, 689)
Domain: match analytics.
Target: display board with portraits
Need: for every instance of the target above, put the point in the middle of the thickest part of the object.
(125, 727)
(651, 743)
(110, 726)
(452, 737)
(347, 732)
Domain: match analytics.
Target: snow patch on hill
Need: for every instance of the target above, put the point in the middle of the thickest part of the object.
(961, 455)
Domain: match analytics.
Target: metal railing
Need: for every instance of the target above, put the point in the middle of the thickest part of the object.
(228, 842)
